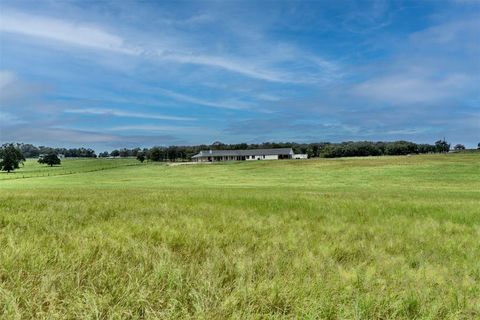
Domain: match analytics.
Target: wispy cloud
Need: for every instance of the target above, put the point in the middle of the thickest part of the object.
(127, 114)
(69, 137)
(236, 105)
(412, 88)
(165, 128)
(450, 32)
(62, 31)
(92, 36)
(7, 119)
(231, 64)
(435, 64)
(372, 16)
(6, 78)
(268, 97)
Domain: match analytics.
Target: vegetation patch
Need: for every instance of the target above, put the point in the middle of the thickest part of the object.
(363, 238)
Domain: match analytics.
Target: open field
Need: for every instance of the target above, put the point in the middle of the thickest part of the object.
(364, 238)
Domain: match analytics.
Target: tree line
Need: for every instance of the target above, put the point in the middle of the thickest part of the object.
(13, 155)
(367, 148)
(31, 151)
(313, 150)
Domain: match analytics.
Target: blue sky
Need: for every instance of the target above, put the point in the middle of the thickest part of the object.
(128, 73)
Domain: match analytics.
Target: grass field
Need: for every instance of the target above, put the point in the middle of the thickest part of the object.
(364, 238)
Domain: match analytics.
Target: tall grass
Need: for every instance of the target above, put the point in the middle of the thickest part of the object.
(371, 238)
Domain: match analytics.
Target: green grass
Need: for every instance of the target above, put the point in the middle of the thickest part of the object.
(70, 166)
(365, 238)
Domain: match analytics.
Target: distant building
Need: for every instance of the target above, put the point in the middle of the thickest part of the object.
(241, 155)
(300, 156)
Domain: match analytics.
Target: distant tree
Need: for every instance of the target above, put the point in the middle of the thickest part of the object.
(172, 153)
(401, 148)
(459, 147)
(426, 148)
(104, 154)
(315, 150)
(10, 157)
(135, 152)
(124, 152)
(478, 146)
(115, 153)
(29, 150)
(442, 146)
(157, 154)
(141, 157)
(50, 159)
(218, 145)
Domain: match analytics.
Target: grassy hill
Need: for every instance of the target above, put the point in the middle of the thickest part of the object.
(360, 238)
(32, 168)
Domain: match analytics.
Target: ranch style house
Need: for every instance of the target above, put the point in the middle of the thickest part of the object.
(240, 155)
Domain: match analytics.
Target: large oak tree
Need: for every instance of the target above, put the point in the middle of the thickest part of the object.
(50, 159)
(10, 157)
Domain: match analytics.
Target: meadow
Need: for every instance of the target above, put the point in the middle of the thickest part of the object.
(351, 238)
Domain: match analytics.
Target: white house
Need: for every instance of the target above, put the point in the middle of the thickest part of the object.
(241, 155)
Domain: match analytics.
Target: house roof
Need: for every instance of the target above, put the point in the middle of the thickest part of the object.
(251, 152)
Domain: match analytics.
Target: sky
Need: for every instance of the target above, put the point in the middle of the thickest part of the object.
(112, 74)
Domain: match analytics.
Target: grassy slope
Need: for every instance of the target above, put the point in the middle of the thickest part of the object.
(70, 166)
(392, 237)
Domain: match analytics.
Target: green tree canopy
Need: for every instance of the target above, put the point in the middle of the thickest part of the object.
(50, 159)
(442, 146)
(141, 157)
(10, 157)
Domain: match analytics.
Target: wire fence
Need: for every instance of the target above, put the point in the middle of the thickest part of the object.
(15, 176)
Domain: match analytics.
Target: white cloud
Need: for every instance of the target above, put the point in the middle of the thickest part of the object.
(15, 93)
(238, 66)
(95, 37)
(161, 128)
(373, 15)
(6, 78)
(434, 65)
(459, 31)
(268, 97)
(221, 104)
(411, 88)
(62, 31)
(70, 137)
(119, 113)
(9, 119)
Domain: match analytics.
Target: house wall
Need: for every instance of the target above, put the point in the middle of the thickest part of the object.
(265, 157)
(300, 156)
(237, 158)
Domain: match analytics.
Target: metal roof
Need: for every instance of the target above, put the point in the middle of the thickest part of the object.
(250, 152)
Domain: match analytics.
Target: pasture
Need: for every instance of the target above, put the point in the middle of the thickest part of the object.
(363, 238)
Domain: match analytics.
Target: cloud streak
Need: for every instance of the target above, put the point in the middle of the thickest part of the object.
(168, 128)
(95, 37)
(235, 105)
(410, 88)
(119, 113)
(62, 31)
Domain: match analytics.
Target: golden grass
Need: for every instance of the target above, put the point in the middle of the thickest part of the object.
(369, 238)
